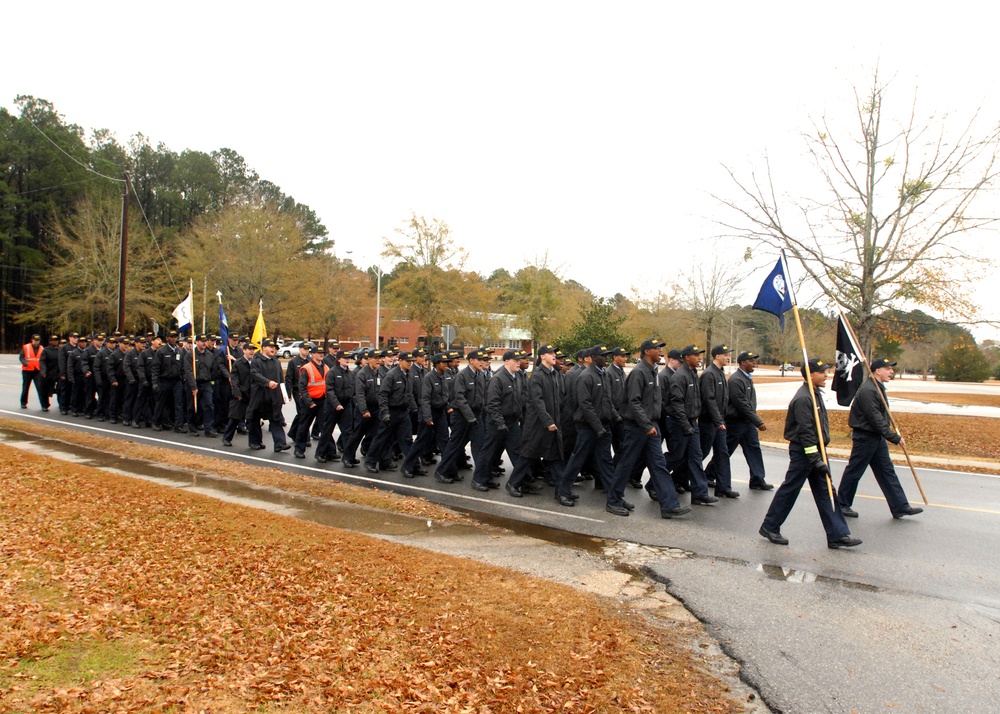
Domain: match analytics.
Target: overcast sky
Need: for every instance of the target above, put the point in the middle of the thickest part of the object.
(593, 133)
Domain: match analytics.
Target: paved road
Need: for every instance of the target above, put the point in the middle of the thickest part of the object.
(909, 620)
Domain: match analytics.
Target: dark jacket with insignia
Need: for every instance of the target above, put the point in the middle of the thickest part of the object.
(292, 375)
(593, 400)
(469, 394)
(99, 364)
(147, 358)
(64, 353)
(339, 386)
(800, 426)
(644, 396)
(503, 398)
(366, 387)
(742, 399)
(114, 367)
(434, 394)
(50, 361)
(868, 412)
(396, 392)
(714, 395)
(685, 398)
(616, 375)
(206, 368)
(166, 364)
(133, 375)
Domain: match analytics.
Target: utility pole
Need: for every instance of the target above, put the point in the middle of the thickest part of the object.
(123, 260)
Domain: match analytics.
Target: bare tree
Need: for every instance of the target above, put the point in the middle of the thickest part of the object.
(707, 291)
(891, 223)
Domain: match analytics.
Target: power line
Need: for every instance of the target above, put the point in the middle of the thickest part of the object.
(71, 157)
(152, 235)
(51, 188)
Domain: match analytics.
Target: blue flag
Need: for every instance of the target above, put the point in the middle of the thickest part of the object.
(775, 294)
(223, 330)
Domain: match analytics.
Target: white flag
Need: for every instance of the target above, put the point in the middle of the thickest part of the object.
(182, 313)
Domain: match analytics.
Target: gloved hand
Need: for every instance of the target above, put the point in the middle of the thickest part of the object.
(820, 465)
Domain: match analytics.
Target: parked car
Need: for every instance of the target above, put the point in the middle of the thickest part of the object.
(292, 348)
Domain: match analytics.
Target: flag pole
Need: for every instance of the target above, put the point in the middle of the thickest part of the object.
(194, 348)
(229, 357)
(812, 391)
(885, 403)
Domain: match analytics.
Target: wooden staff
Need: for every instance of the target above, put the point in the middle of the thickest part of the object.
(194, 348)
(885, 403)
(812, 391)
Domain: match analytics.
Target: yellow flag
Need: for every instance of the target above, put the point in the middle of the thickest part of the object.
(259, 331)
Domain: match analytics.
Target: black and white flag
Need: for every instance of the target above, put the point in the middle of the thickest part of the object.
(850, 371)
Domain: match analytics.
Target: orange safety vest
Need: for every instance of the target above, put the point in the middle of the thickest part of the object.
(34, 362)
(317, 380)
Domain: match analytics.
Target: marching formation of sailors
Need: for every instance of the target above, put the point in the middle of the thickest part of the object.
(562, 423)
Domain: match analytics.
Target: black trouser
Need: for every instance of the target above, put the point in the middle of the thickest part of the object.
(641, 448)
(498, 440)
(718, 469)
(396, 430)
(333, 418)
(29, 377)
(870, 449)
(101, 406)
(129, 403)
(688, 453)
(676, 463)
(360, 428)
(801, 469)
(142, 409)
(49, 386)
(206, 407)
(256, 436)
(223, 394)
(169, 390)
(64, 394)
(588, 444)
(462, 433)
(306, 419)
(116, 398)
(424, 443)
(83, 394)
(744, 434)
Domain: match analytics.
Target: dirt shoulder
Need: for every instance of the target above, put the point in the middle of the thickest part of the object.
(122, 595)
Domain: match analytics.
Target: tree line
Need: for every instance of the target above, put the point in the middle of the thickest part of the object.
(208, 216)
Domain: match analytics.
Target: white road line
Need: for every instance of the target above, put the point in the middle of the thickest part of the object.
(272, 462)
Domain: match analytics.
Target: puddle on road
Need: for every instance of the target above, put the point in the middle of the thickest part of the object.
(791, 575)
(348, 516)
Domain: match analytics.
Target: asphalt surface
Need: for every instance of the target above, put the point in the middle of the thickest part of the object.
(909, 620)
